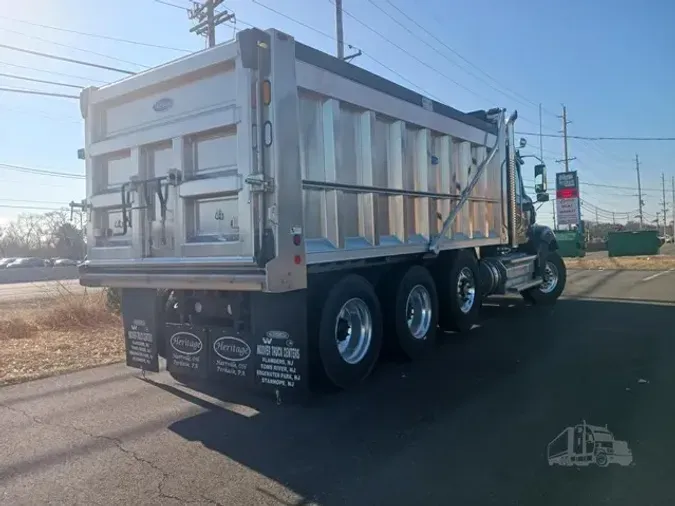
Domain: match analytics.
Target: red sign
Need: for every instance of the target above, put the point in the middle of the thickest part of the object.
(567, 193)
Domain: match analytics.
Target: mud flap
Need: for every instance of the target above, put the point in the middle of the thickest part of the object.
(281, 351)
(270, 353)
(140, 311)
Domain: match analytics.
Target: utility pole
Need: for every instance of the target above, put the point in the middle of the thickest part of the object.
(567, 159)
(663, 203)
(340, 36)
(339, 30)
(640, 202)
(207, 19)
(541, 157)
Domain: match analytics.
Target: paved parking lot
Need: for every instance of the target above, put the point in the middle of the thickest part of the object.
(469, 426)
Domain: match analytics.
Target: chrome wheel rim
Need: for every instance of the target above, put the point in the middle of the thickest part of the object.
(466, 290)
(418, 312)
(353, 330)
(551, 277)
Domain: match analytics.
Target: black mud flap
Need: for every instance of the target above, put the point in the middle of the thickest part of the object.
(270, 354)
(187, 350)
(140, 313)
(281, 352)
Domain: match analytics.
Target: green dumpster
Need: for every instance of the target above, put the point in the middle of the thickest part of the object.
(570, 243)
(624, 244)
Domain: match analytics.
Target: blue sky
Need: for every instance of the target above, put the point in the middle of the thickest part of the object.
(610, 62)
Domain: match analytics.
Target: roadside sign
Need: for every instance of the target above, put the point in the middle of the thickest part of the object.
(567, 198)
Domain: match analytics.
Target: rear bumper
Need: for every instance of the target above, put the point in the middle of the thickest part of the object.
(180, 277)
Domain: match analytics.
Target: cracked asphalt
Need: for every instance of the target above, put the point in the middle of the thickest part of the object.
(468, 426)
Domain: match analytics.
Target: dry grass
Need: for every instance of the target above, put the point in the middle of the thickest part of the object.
(642, 263)
(65, 331)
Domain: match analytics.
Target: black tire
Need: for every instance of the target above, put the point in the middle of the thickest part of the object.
(341, 372)
(400, 340)
(538, 295)
(452, 316)
(601, 459)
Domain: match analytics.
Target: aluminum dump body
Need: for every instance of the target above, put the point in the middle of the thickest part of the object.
(240, 166)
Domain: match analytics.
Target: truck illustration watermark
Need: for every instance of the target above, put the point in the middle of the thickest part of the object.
(584, 444)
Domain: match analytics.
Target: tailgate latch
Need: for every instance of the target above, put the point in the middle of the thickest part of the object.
(260, 184)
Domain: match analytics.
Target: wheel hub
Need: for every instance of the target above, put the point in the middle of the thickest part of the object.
(353, 330)
(466, 290)
(550, 278)
(418, 312)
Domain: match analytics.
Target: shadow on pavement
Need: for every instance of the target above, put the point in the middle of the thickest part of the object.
(470, 425)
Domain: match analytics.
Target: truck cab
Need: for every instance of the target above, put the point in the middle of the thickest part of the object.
(526, 205)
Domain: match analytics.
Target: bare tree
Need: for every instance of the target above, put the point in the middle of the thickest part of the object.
(44, 235)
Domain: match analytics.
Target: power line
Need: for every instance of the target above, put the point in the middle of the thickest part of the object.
(428, 32)
(40, 172)
(69, 60)
(600, 210)
(28, 201)
(301, 23)
(96, 35)
(36, 92)
(331, 37)
(31, 208)
(53, 72)
(419, 60)
(34, 183)
(620, 187)
(364, 53)
(32, 79)
(170, 4)
(411, 55)
(468, 61)
(69, 46)
(582, 137)
(42, 114)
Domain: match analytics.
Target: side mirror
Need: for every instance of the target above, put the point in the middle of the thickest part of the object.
(542, 197)
(540, 186)
(523, 142)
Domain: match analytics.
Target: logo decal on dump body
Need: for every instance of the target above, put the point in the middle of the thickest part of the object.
(231, 348)
(163, 104)
(275, 334)
(186, 343)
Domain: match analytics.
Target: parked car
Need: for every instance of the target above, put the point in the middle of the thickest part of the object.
(64, 262)
(4, 262)
(27, 262)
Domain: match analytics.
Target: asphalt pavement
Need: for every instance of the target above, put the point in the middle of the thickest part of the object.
(469, 426)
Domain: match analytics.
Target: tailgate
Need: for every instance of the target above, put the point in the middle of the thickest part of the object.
(167, 153)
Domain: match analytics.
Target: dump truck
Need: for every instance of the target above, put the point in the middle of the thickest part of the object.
(276, 218)
(585, 444)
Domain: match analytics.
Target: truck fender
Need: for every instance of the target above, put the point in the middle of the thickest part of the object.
(541, 240)
(539, 235)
